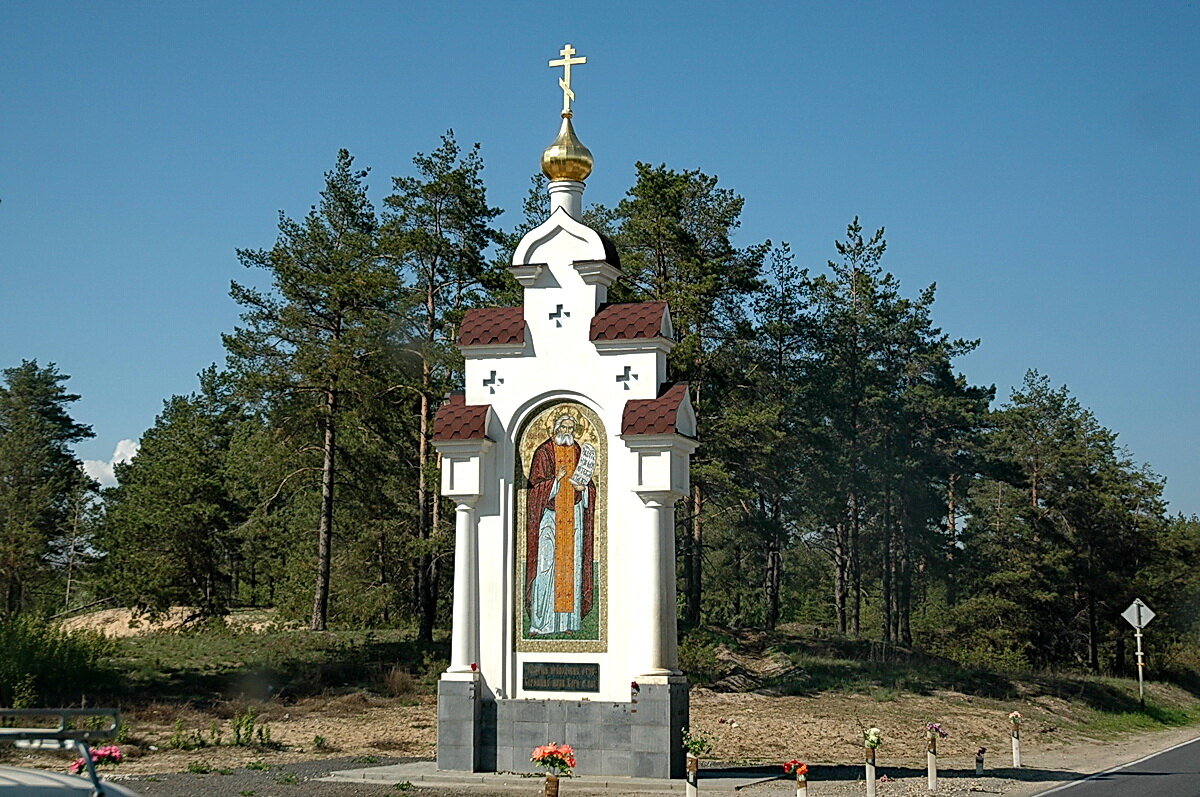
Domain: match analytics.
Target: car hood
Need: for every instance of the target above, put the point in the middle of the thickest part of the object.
(18, 782)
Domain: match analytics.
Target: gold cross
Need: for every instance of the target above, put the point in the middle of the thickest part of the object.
(565, 81)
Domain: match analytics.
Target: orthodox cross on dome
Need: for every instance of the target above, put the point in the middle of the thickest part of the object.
(565, 81)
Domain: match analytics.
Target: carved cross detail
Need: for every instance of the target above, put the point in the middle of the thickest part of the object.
(559, 314)
(492, 381)
(626, 377)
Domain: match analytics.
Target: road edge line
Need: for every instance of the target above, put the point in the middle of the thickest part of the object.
(1111, 770)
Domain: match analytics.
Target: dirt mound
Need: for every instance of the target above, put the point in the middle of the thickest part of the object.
(127, 623)
(765, 673)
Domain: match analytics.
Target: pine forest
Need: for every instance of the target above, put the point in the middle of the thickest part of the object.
(849, 479)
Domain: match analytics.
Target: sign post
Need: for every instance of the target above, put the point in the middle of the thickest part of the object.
(1139, 616)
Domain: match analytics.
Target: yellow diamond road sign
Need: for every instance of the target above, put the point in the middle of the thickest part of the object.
(1138, 614)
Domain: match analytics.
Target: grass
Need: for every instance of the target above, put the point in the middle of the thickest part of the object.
(218, 674)
(1094, 706)
(204, 667)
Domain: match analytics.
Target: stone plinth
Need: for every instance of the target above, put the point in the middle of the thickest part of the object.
(641, 739)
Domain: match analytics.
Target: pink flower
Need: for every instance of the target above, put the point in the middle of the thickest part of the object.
(109, 754)
(558, 757)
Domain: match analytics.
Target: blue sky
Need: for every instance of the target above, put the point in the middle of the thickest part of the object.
(1039, 161)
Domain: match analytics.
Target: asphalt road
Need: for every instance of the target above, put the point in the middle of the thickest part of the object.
(1172, 773)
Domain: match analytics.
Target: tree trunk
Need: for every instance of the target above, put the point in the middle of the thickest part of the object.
(904, 580)
(854, 561)
(71, 548)
(694, 564)
(887, 578)
(320, 614)
(1093, 634)
(424, 572)
(841, 571)
(774, 565)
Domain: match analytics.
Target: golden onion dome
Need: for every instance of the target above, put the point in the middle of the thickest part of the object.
(567, 158)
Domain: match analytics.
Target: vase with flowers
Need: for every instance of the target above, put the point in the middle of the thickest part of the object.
(800, 770)
(558, 760)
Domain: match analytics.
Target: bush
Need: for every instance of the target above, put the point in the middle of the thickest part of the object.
(698, 659)
(45, 665)
(399, 682)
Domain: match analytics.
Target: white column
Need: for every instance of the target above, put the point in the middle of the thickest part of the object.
(660, 646)
(464, 635)
(568, 195)
(669, 611)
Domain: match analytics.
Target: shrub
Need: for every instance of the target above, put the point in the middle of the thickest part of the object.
(399, 682)
(43, 664)
(698, 660)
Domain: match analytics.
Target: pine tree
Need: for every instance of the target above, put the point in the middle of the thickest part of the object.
(1057, 533)
(38, 476)
(308, 344)
(170, 526)
(437, 230)
(674, 231)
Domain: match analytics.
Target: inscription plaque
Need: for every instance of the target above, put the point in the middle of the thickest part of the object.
(554, 676)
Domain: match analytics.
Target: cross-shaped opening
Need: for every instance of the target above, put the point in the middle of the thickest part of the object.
(558, 315)
(626, 377)
(492, 381)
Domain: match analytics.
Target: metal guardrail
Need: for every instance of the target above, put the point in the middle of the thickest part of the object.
(59, 726)
(59, 730)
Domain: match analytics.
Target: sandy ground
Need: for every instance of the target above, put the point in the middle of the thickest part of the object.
(1043, 770)
(359, 730)
(748, 728)
(124, 623)
(314, 735)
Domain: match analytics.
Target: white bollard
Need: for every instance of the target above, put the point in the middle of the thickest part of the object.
(801, 785)
(1016, 741)
(693, 775)
(979, 762)
(931, 763)
(870, 767)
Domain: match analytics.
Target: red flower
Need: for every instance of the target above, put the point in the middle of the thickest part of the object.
(558, 757)
(795, 767)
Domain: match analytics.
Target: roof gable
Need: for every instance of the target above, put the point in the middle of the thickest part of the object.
(670, 413)
(491, 326)
(458, 420)
(631, 320)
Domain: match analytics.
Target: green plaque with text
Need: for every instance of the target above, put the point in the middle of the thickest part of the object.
(548, 676)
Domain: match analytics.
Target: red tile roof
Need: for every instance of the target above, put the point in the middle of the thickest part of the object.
(629, 320)
(486, 326)
(458, 420)
(657, 415)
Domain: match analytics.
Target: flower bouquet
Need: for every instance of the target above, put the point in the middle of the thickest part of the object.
(872, 738)
(800, 770)
(696, 744)
(109, 754)
(559, 759)
(1015, 718)
(933, 731)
